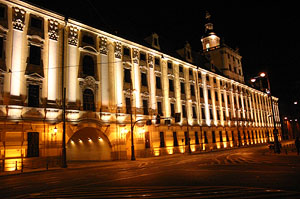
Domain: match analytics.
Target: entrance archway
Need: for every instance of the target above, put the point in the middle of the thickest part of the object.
(89, 144)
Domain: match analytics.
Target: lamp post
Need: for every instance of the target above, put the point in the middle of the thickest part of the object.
(275, 132)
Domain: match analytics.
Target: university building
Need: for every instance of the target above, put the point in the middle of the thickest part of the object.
(112, 84)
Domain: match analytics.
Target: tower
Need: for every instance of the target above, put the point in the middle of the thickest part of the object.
(210, 40)
(226, 59)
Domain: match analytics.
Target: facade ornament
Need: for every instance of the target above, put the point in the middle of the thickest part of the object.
(118, 50)
(150, 60)
(89, 82)
(18, 18)
(135, 56)
(53, 29)
(103, 45)
(73, 36)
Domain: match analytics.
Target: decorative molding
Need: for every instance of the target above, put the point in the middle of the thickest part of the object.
(73, 36)
(53, 29)
(150, 60)
(135, 55)
(118, 50)
(18, 18)
(88, 82)
(103, 45)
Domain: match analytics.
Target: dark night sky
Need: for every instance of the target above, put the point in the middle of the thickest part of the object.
(266, 32)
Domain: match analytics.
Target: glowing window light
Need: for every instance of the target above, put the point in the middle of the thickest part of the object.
(80, 140)
(89, 139)
(100, 139)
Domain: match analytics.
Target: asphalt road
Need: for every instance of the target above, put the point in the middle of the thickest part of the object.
(238, 173)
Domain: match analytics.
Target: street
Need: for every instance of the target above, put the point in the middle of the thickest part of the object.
(252, 172)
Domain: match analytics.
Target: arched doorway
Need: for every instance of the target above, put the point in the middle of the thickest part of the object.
(89, 144)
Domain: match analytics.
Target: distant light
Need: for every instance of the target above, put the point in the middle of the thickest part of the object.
(89, 139)
(285, 118)
(100, 139)
(296, 120)
(80, 140)
(253, 80)
(295, 102)
(55, 129)
(262, 74)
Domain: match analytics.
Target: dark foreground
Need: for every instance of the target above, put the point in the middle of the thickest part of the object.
(251, 172)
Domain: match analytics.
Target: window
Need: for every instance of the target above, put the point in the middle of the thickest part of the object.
(171, 85)
(201, 92)
(205, 137)
(213, 137)
(126, 51)
(159, 108)
(162, 139)
(2, 12)
(207, 46)
(172, 110)
(192, 88)
(157, 61)
(194, 112)
(232, 136)
(88, 67)
(33, 95)
(209, 94)
(190, 72)
(216, 96)
(227, 138)
(211, 114)
(203, 113)
(180, 68)
(88, 100)
(186, 138)
(196, 138)
(142, 56)
(88, 40)
(32, 144)
(183, 111)
(158, 82)
(127, 75)
(182, 90)
(35, 55)
(169, 65)
(144, 79)
(36, 23)
(221, 136)
(175, 140)
(145, 107)
(128, 105)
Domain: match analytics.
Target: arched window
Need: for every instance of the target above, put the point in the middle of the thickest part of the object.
(88, 100)
(88, 67)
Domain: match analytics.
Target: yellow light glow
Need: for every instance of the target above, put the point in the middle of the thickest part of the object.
(225, 144)
(156, 152)
(170, 150)
(100, 139)
(193, 148)
(262, 74)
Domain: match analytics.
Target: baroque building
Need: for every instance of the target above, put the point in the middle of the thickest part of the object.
(112, 84)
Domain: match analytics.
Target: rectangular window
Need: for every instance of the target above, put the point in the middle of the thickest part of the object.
(205, 137)
(209, 94)
(180, 68)
(33, 95)
(128, 105)
(35, 55)
(221, 136)
(186, 138)
(144, 79)
(192, 88)
(213, 137)
(32, 144)
(196, 138)
(194, 112)
(36, 23)
(211, 114)
(162, 139)
(175, 140)
(1, 46)
(157, 61)
(172, 110)
(183, 111)
(159, 108)
(216, 96)
(158, 82)
(169, 65)
(142, 56)
(145, 107)
(171, 85)
(182, 90)
(127, 75)
(201, 92)
(232, 136)
(126, 51)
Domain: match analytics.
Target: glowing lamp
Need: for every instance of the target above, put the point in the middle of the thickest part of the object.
(253, 80)
(262, 74)
(55, 129)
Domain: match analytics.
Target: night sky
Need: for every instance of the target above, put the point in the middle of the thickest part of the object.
(266, 33)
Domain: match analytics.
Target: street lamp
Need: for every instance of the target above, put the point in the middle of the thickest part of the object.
(275, 132)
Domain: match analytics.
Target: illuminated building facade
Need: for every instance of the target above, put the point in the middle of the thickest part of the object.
(107, 78)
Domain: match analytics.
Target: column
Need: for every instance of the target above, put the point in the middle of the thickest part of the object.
(118, 74)
(17, 41)
(104, 72)
(52, 60)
